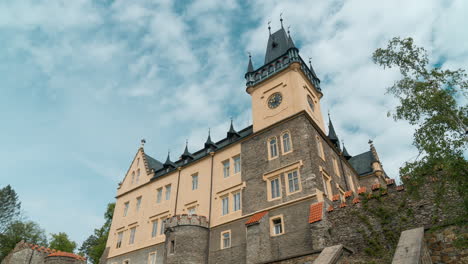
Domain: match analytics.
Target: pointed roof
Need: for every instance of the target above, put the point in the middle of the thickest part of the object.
(232, 132)
(187, 154)
(209, 143)
(250, 67)
(331, 131)
(345, 153)
(153, 163)
(278, 44)
(168, 162)
(362, 163)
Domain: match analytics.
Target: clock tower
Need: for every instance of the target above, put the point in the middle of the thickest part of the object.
(284, 85)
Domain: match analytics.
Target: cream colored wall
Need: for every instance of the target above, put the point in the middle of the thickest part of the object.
(294, 88)
(200, 197)
(134, 167)
(142, 218)
(225, 186)
(150, 210)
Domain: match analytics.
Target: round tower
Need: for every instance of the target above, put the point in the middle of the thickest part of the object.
(186, 239)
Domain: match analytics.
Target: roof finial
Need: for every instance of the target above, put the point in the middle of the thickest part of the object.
(186, 142)
(250, 54)
(310, 62)
(289, 33)
(269, 27)
(143, 141)
(370, 142)
(281, 19)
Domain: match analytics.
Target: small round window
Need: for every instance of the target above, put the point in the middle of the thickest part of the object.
(311, 102)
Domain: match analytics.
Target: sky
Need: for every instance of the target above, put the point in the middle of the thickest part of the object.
(83, 81)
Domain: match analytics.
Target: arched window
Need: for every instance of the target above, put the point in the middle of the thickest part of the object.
(286, 142)
(133, 177)
(273, 148)
(138, 176)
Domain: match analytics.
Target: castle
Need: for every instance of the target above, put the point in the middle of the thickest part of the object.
(247, 197)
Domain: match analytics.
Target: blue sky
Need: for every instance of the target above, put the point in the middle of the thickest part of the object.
(81, 82)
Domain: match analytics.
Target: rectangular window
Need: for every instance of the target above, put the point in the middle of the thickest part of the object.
(286, 143)
(237, 201)
(225, 239)
(226, 168)
(195, 181)
(132, 235)
(320, 148)
(335, 166)
(119, 239)
(159, 195)
(152, 258)
(154, 232)
(138, 205)
(172, 247)
(277, 226)
(168, 192)
(225, 202)
(191, 210)
(163, 226)
(237, 164)
(275, 188)
(127, 261)
(293, 181)
(273, 148)
(127, 205)
(327, 185)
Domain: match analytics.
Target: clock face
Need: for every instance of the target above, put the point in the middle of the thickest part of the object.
(311, 102)
(275, 100)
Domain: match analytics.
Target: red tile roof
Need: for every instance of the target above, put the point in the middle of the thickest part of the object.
(256, 218)
(356, 200)
(343, 205)
(330, 208)
(66, 254)
(335, 197)
(348, 194)
(315, 214)
(361, 190)
(390, 181)
(376, 186)
(400, 188)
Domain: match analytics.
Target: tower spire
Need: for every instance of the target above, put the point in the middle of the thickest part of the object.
(332, 134)
(232, 133)
(281, 19)
(346, 155)
(250, 67)
(209, 144)
(168, 163)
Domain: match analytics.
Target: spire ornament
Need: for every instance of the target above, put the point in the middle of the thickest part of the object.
(281, 19)
(269, 27)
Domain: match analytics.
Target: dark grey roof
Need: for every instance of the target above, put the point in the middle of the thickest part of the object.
(232, 132)
(168, 162)
(186, 154)
(153, 163)
(331, 131)
(203, 152)
(362, 163)
(278, 44)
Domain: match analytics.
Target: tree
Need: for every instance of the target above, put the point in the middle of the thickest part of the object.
(61, 242)
(94, 246)
(17, 231)
(434, 100)
(9, 206)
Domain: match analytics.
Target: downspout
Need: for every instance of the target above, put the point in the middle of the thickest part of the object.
(177, 191)
(344, 175)
(209, 212)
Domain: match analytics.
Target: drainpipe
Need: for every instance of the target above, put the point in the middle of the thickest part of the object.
(177, 191)
(211, 199)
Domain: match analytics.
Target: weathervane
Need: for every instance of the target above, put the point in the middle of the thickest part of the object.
(281, 19)
(269, 28)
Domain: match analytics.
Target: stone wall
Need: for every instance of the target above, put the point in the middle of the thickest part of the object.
(371, 223)
(62, 260)
(448, 244)
(141, 255)
(237, 252)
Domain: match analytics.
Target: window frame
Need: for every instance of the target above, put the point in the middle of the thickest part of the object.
(270, 189)
(272, 225)
(226, 169)
(320, 149)
(195, 181)
(222, 246)
(288, 186)
(154, 253)
(131, 238)
(194, 208)
(154, 231)
(336, 167)
(137, 180)
(138, 203)
(168, 194)
(172, 245)
(163, 225)
(159, 194)
(133, 178)
(283, 152)
(119, 239)
(327, 185)
(238, 192)
(225, 210)
(236, 160)
(270, 154)
(126, 207)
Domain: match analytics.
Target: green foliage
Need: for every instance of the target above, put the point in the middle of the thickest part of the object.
(433, 100)
(9, 207)
(17, 231)
(61, 242)
(94, 246)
